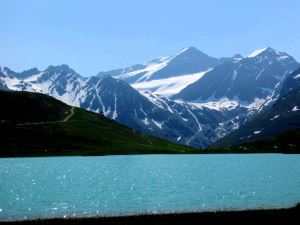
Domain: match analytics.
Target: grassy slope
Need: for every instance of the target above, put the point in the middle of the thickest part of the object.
(84, 133)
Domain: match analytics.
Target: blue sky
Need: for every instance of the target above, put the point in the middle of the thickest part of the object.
(91, 36)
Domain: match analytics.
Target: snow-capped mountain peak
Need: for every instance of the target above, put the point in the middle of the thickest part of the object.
(167, 75)
(187, 61)
(189, 51)
(257, 52)
(269, 54)
(246, 79)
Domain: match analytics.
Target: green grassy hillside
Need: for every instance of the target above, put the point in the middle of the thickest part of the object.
(38, 125)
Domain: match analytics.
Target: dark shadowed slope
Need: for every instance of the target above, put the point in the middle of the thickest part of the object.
(22, 107)
(286, 142)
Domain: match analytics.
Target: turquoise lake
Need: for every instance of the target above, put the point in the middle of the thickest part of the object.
(121, 185)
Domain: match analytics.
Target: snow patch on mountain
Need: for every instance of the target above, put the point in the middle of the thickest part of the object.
(283, 57)
(297, 76)
(158, 124)
(10, 81)
(220, 105)
(158, 100)
(145, 121)
(115, 114)
(256, 52)
(234, 75)
(169, 86)
(275, 117)
(197, 121)
(150, 68)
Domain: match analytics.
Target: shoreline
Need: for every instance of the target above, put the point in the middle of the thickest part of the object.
(197, 153)
(255, 216)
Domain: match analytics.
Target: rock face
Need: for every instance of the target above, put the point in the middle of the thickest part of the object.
(292, 82)
(189, 98)
(3, 85)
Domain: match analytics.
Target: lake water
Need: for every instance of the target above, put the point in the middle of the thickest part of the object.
(121, 185)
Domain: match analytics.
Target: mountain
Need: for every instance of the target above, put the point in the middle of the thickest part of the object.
(35, 124)
(146, 99)
(22, 75)
(166, 75)
(188, 61)
(247, 79)
(283, 115)
(3, 85)
(182, 122)
(234, 58)
(291, 83)
(191, 75)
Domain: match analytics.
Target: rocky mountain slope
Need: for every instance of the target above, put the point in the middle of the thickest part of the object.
(273, 120)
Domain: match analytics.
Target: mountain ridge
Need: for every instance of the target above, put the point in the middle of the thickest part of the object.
(245, 79)
(198, 123)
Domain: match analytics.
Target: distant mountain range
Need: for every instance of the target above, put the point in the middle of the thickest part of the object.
(191, 98)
